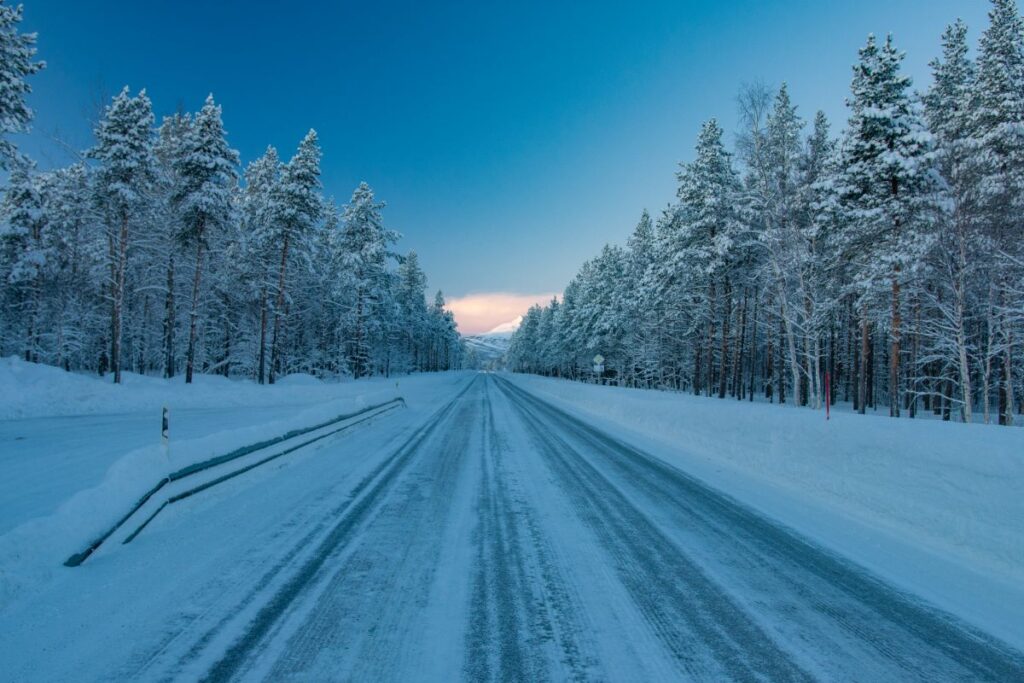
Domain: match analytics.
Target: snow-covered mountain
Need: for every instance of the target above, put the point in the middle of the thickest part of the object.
(491, 346)
(505, 329)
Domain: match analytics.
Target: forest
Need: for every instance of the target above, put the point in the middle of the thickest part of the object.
(156, 253)
(883, 267)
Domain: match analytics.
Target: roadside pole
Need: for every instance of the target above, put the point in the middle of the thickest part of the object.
(165, 441)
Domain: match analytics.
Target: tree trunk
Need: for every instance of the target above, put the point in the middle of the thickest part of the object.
(169, 321)
(726, 317)
(915, 350)
(710, 370)
(275, 343)
(263, 335)
(894, 350)
(193, 315)
(862, 380)
(790, 336)
(118, 297)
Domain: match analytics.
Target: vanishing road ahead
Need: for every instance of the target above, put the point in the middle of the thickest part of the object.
(498, 538)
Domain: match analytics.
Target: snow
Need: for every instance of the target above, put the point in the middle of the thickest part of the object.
(65, 478)
(482, 535)
(505, 329)
(29, 390)
(933, 506)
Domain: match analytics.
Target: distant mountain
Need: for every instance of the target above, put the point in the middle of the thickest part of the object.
(490, 347)
(504, 329)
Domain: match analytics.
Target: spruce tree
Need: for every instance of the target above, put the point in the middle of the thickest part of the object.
(297, 207)
(124, 149)
(367, 245)
(17, 51)
(947, 110)
(997, 141)
(886, 185)
(206, 168)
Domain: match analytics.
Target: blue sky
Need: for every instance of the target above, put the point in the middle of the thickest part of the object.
(510, 140)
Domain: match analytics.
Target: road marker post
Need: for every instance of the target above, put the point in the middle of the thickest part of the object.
(165, 440)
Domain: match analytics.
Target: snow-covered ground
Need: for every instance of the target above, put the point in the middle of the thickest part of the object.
(60, 432)
(83, 449)
(506, 527)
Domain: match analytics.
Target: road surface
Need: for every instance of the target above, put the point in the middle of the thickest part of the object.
(498, 538)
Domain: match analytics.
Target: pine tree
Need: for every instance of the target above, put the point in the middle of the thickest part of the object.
(123, 179)
(412, 284)
(367, 244)
(206, 168)
(256, 250)
(948, 112)
(706, 245)
(24, 255)
(297, 207)
(169, 149)
(997, 141)
(885, 186)
(17, 51)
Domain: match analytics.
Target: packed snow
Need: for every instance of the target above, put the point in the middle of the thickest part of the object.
(936, 506)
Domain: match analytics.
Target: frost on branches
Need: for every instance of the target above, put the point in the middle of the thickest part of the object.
(888, 262)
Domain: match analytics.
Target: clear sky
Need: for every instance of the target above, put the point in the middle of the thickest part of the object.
(510, 140)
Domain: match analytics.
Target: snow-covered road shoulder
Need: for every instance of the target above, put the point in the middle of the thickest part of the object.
(32, 550)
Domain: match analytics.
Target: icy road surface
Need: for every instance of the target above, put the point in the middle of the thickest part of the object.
(496, 539)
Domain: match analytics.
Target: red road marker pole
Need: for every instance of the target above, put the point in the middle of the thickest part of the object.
(828, 395)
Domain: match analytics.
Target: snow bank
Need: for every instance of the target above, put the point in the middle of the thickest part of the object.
(35, 390)
(32, 551)
(951, 489)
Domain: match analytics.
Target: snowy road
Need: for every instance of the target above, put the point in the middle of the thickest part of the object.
(497, 538)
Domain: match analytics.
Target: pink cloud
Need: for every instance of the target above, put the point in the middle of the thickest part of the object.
(482, 312)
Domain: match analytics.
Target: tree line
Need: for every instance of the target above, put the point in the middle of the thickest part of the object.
(155, 253)
(888, 263)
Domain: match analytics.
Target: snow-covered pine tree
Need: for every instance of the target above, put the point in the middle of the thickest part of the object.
(367, 246)
(410, 297)
(955, 257)
(17, 52)
(771, 151)
(996, 136)
(297, 207)
(24, 254)
(71, 292)
(816, 225)
(257, 247)
(124, 149)
(638, 305)
(168, 150)
(886, 188)
(206, 169)
(707, 246)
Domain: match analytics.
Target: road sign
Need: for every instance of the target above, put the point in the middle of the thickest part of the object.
(598, 359)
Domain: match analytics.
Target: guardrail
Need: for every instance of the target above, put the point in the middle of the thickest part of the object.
(196, 468)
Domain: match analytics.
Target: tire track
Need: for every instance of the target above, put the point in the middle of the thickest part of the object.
(362, 501)
(886, 631)
(362, 624)
(523, 626)
(707, 633)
